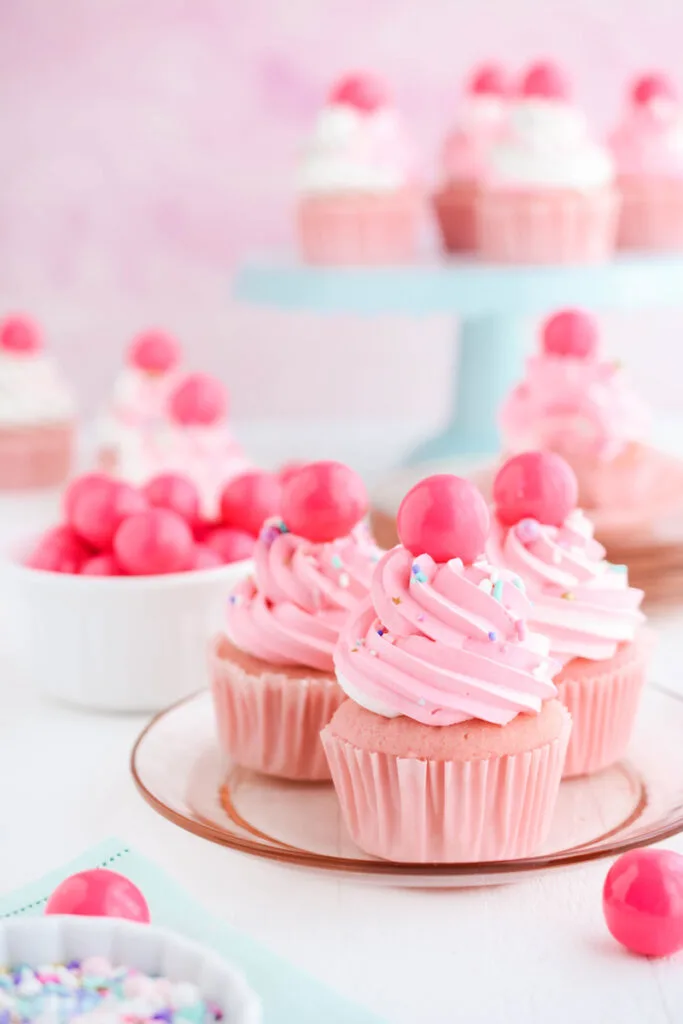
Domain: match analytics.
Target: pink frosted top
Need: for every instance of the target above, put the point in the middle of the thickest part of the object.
(291, 611)
(649, 140)
(480, 122)
(443, 643)
(581, 602)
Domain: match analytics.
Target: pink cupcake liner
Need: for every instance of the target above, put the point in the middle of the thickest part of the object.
(359, 229)
(547, 226)
(602, 698)
(455, 209)
(35, 457)
(428, 811)
(272, 722)
(651, 216)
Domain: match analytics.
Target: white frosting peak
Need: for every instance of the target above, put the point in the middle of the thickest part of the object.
(33, 390)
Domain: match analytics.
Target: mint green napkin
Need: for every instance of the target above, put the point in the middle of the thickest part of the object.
(290, 996)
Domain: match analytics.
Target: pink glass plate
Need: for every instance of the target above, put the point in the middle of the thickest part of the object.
(179, 770)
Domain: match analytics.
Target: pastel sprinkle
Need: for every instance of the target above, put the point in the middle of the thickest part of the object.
(373, 654)
(486, 585)
(498, 590)
(456, 564)
(618, 568)
(381, 631)
(415, 569)
(519, 583)
(420, 618)
(493, 635)
(568, 596)
(528, 530)
(419, 577)
(344, 580)
(235, 599)
(336, 561)
(396, 600)
(494, 575)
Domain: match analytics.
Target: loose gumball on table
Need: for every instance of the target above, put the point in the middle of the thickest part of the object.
(99, 893)
(643, 901)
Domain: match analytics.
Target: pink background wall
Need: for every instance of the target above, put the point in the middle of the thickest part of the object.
(147, 144)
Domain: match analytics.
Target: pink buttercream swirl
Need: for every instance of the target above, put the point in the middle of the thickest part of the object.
(444, 643)
(291, 611)
(649, 141)
(574, 407)
(467, 148)
(581, 602)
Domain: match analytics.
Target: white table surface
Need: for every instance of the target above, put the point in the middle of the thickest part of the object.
(535, 952)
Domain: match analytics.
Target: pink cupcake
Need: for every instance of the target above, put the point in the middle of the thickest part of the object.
(465, 156)
(583, 407)
(451, 746)
(580, 602)
(274, 686)
(549, 196)
(37, 412)
(359, 200)
(648, 153)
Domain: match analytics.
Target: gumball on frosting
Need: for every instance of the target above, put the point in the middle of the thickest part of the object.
(544, 81)
(642, 901)
(444, 516)
(488, 80)
(535, 485)
(570, 333)
(323, 501)
(363, 91)
(99, 893)
(198, 401)
(653, 87)
(20, 336)
(154, 352)
(249, 499)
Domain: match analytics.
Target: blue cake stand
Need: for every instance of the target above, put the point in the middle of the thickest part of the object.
(496, 307)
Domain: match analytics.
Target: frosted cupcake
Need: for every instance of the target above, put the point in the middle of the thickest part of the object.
(37, 411)
(138, 404)
(648, 153)
(359, 201)
(274, 686)
(465, 157)
(451, 746)
(584, 408)
(581, 602)
(549, 196)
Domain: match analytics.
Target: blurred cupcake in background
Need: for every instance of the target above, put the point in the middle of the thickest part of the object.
(359, 199)
(648, 152)
(465, 156)
(549, 196)
(37, 411)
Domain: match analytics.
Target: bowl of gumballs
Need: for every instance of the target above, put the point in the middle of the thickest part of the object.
(114, 607)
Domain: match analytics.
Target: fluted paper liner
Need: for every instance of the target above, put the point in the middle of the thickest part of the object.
(33, 457)
(455, 209)
(359, 229)
(651, 217)
(422, 811)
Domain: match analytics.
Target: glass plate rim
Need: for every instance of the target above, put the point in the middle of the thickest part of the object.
(324, 862)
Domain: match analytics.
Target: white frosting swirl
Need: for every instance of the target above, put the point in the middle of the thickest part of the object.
(547, 145)
(355, 151)
(33, 391)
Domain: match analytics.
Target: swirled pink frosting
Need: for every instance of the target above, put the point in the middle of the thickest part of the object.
(466, 150)
(649, 141)
(444, 643)
(573, 407)
(293, 607)
(581, 602)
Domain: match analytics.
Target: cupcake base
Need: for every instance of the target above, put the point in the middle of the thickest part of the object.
(269, 717)
(602, 698)
(35, 457)
(429, 794)
(547, 226)
(651, 217)
(356, 229)
(455, 209)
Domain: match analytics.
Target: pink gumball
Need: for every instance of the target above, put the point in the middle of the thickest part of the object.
(364, 92)
(98, 507)
(653, 87)
(199, 401)
(323, 501)
(78, 487)
(444, 516)
(59, 550)
(231, 545)
(488, 80)
(247, 500)
(154, 352)
(545, 81)
(206, 558)
(99, 893)
(535, 485)
(287, 471)
(20, 335)
(642, 901)
(154, 542)
(171, 490)
(101, 565)
(570, 333)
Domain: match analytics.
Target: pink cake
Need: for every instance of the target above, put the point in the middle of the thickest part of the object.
(549, 194)
(581, 602)
(359, 198)
(583, 407)
(648, 153)
(37, 412)
(465, 155)
(273, 677)
(451, 746)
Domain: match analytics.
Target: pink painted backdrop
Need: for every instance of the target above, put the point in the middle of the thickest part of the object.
(149, 144)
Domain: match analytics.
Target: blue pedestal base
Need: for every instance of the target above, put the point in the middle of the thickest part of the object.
(489, 361)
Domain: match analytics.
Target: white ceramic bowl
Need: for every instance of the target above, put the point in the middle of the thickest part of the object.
(44, 940)
(131, 643)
